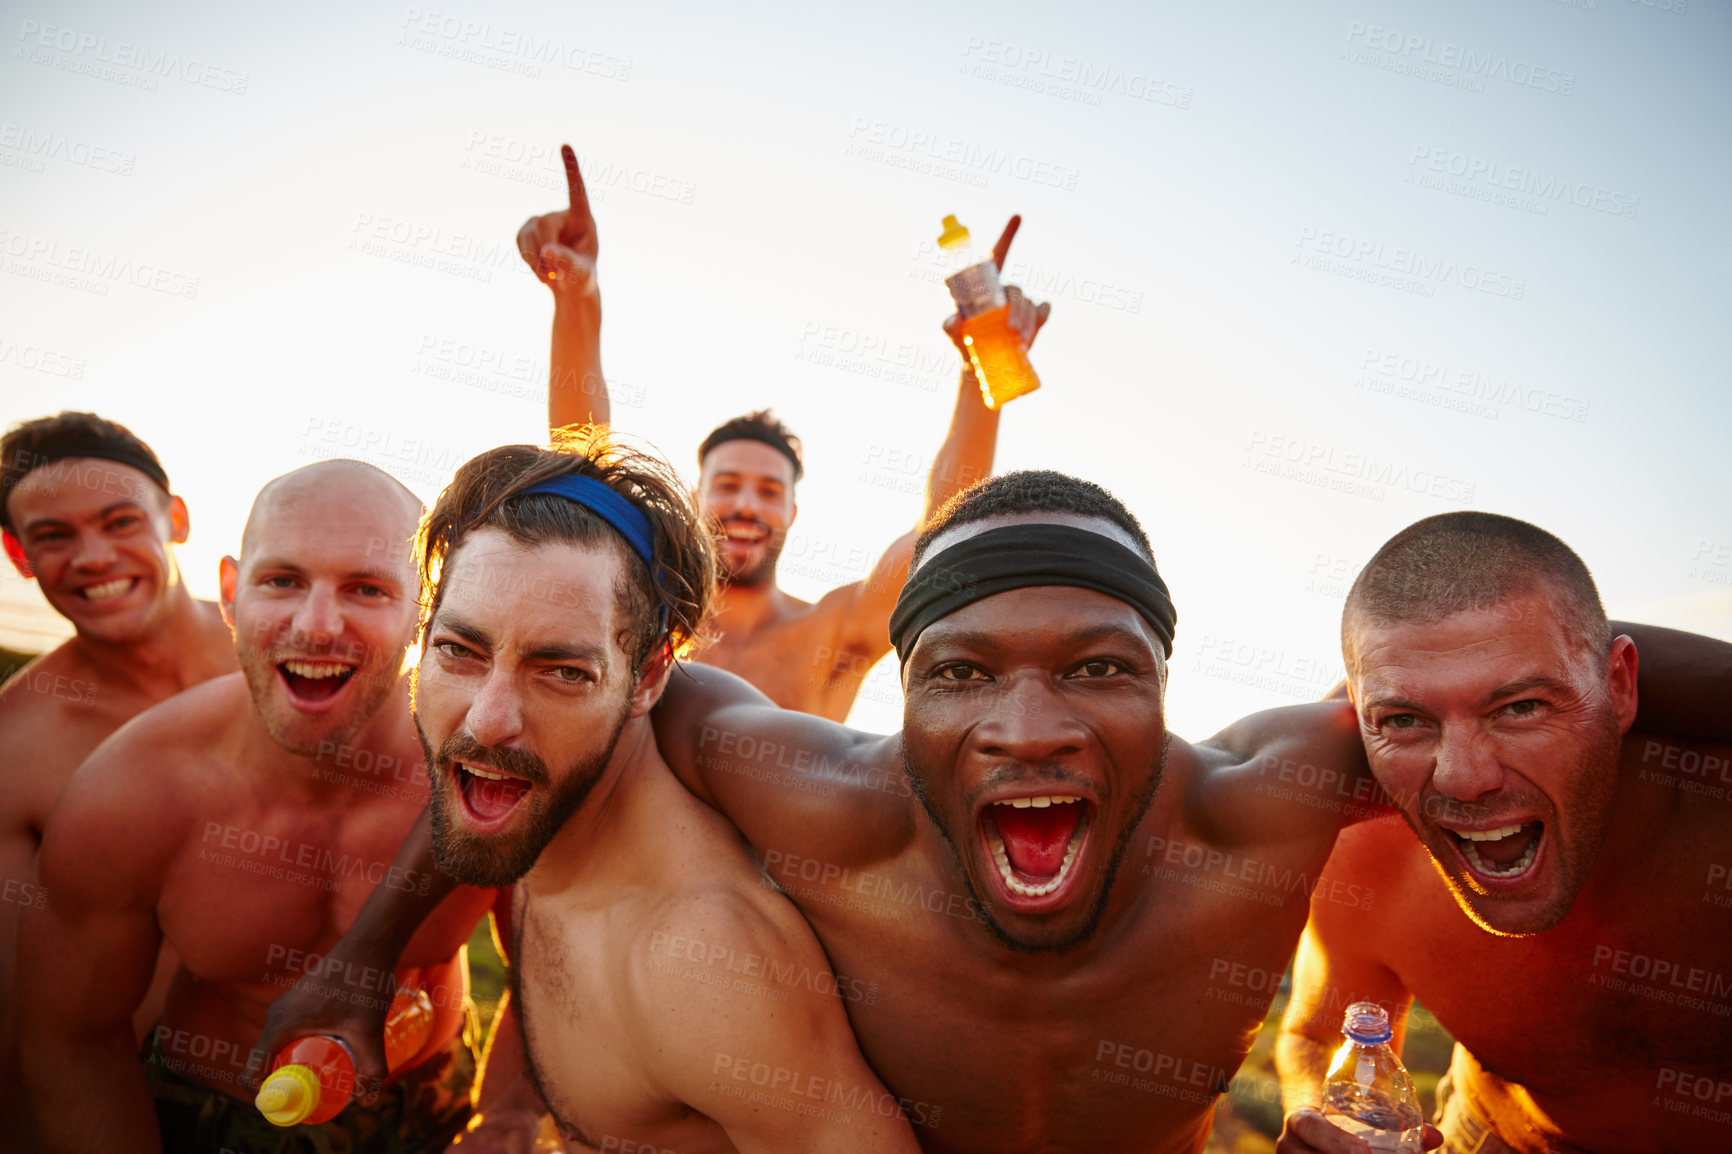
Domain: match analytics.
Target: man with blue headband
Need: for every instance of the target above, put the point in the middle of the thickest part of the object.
(667, 998)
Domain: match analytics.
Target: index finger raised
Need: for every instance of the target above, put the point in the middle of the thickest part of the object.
(574, 220)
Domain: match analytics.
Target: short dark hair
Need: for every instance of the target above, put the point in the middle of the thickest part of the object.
(1030, 491)
(1456, 562)
(30, 444)
(487, 492)
(761, 426)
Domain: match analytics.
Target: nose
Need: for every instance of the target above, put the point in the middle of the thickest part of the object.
(1465, 766)
(1030, 722)
(95, 551)
(495, 717)
(318, 620)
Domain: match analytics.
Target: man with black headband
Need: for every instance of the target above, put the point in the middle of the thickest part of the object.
(810, 656)
(1061, 919)
(87, 513)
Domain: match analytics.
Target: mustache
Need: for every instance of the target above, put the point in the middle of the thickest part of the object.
(460, 746)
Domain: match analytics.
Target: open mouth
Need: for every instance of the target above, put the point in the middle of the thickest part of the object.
(314, 682)
(1503, 854)
(108, 590)
(488, 795)
(1034, 842)
(745, 533)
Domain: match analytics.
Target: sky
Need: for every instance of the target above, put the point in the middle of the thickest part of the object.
(1317, 271)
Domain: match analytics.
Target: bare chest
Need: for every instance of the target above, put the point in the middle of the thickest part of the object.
(986, 1050)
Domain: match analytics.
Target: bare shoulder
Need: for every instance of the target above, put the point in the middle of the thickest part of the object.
(1296, 772)
(1695, 774)
(137, 792)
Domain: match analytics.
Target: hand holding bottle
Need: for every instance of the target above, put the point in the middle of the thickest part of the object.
(997, 331)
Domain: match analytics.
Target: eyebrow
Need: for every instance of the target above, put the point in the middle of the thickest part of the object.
(365, 573)
(1520, 685)
(478, 638)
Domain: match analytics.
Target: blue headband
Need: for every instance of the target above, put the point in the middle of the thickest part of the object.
(609, 506)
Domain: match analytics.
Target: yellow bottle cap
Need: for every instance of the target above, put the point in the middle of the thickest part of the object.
(288, 1095)
(953, 234)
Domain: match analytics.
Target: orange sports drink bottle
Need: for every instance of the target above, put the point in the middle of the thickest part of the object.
(998, 354)
(313, 1078)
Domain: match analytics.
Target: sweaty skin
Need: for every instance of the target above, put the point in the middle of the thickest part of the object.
(668, 997)
(196, 825)
(86, 524)
(809, 656)
(1605, 1025)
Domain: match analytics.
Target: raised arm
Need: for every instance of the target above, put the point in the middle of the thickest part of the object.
(87, 958)
(1683, 682)
(964, 459)
(560, 248)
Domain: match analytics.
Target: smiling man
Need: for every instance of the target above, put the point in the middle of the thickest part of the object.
(244, 822)
(562, 585)
(86, 511)
(1563, 912)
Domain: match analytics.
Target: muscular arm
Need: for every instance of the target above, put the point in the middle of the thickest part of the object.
(86, 959)
(1683, 682)
(560, 248)
(1336, 965)
(786, 779)
(711, 1046)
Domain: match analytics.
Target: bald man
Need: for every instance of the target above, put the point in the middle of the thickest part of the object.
(245, 822)
(87, 514)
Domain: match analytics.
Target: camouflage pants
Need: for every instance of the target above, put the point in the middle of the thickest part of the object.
(417, 1113)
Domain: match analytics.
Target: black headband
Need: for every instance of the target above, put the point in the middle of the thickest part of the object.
(1017, 556)
(27, 461)
(762, 436)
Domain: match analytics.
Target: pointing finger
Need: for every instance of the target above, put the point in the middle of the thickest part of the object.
(577, 220)
(1004, 239)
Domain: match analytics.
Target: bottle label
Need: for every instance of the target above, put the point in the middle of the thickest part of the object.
(975, 289)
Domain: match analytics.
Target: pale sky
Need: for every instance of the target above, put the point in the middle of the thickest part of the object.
(1317, 270)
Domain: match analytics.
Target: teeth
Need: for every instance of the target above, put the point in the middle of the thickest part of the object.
(316, 669)
(1041, 802)
(1012, 882)
(108, 590)
(1515, 868)
(482, 773)
(1497, 834)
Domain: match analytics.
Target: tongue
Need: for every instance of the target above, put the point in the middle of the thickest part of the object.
(491, 799)
(314, 688)
(1505, 852)
(1035, 839)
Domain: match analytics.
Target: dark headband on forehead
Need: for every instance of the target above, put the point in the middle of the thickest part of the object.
(26, 461)
(762, 436)
(1017, 556)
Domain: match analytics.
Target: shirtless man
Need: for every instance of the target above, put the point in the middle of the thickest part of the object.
(86, 511)
(807, 656)
(1563, 911)
(244, 822)
(562, 584)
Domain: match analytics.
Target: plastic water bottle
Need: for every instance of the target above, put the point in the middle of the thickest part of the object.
(313, 1078)
(995, 350)
(1367, 1091)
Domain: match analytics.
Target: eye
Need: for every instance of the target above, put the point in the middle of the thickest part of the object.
(125, 521)
(453, 650)
(960, 672)
(370, 591)
(571, 675)
(278, 581)
(1401, 721)
(1524, 708)
(1101, 667)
